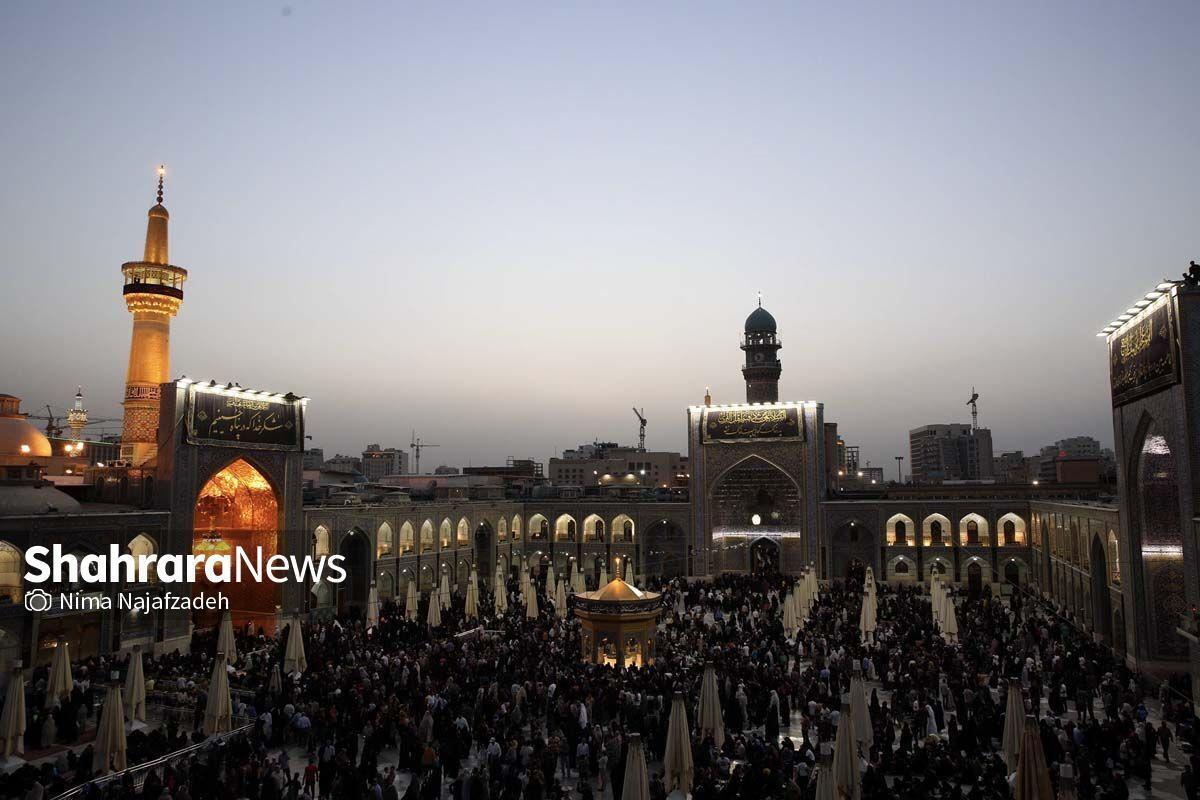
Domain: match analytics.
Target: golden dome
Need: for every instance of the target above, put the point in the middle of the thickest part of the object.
(18, 436)
(618, 591)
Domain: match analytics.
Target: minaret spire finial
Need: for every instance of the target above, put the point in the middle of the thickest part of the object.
(162, 170)
(759, 294)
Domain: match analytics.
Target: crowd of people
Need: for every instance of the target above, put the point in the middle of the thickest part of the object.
(509, 710)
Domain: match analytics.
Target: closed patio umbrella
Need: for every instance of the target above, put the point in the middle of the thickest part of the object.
(218, 714)
(789, 615)
(1033, 777)
(294, 659)
(847, 782)
(577, 584)
(560, 600)
(860, 713)
(12, 719)
(135, 687)
(275, 686)
(410, 601)
(434, 619)
(1014, 723)
(373, 608)
(444, 591)
(551, 582)
(950, 626)
(711, 720)
(637, 781)
(501, 593)
(824, 781)
(677, 756)
(60, 684)
(866, 621)
(226, 645)
(472, 606)
(531, 605)
(109, 752)
(603, 577)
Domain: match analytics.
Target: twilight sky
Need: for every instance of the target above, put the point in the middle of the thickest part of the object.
(504, 224)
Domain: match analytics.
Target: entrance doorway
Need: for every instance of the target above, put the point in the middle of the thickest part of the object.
(764, 557)
(856, 572)
(353, 592)
(974, 579)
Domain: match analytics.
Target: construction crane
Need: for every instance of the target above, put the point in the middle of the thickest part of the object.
(641, 415)
(417, 446)
(974, 404)
(53, 421)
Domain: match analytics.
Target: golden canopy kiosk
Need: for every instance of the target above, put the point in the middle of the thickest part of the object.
(619, 624)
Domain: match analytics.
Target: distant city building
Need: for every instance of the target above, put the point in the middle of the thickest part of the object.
(314, 458)
(606, 463)
(445, 470)
(1010, 467)
(378, 462)
(341, 463)
(1073, 460)
(950, 452)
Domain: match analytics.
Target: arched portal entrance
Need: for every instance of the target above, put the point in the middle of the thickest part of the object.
(856, 572)
(485, 551)
(237, 509)
(974, 579)
(853, 541)
(353, 592)
(1101, 608)
(764, 557)
(665, 547)
(1012, 574)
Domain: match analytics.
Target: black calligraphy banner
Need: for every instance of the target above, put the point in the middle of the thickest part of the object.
(1142, 358)
(237, 420)
(751, 424)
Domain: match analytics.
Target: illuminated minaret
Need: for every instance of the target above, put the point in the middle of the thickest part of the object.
(153, 294)
(77, 416)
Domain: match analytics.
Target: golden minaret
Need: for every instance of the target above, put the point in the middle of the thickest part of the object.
(153, 293)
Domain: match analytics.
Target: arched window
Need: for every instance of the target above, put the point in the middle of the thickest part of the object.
(622, 529)
(539, 528)
(444, 534)
(321, 542)
(502, 529)
(935, 532)
(427, 536)
(901, 567)
(1010, 532)
(901, 538)
(464, 532)
(564, 529)
(593, 529)
(972, 532)
(143, 545)
(384, 541)
(406, 538)
(10, 574)
(516, 527)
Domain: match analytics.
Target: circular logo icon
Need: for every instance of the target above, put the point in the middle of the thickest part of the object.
(37, 600)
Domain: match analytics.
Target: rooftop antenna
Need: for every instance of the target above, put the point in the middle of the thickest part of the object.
(974, 404)
(417, 446)
(641, 415)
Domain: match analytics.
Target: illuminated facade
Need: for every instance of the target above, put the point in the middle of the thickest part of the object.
(1154, 371)
(618, 625)
(757, 470)
(153, 293)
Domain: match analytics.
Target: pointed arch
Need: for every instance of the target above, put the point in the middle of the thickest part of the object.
(539, 528)
(502, 529)
(1010, 530)
(462, 536)
(593, 528)
(406, 537)
(445, 534)
(623, 529)
(935, 529)
(901, 530)
(11, 570)
(973, 530)
(515, 528)
(384, 541)
(564, 528)
(427, 536)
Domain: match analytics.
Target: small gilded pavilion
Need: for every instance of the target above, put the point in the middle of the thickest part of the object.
(619, 624)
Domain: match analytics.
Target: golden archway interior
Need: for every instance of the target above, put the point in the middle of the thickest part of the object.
(237, 510)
